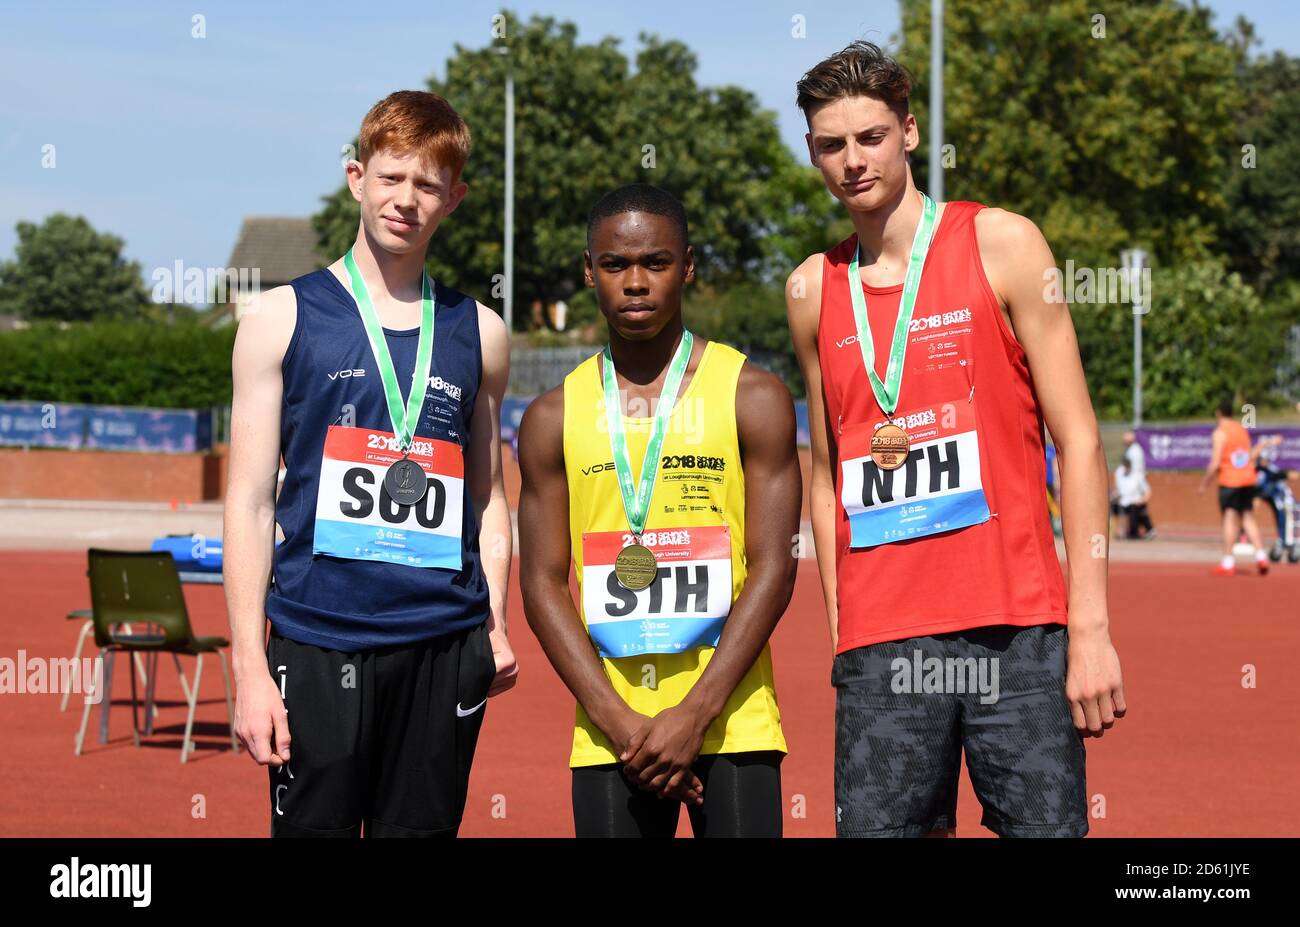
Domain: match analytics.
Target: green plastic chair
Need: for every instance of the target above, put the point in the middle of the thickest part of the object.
(85, 616)
(144, 587)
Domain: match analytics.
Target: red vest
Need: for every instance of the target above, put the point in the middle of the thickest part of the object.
(1003, 570)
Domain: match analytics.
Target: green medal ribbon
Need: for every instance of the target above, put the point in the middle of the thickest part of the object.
(405, 420)
(887, 392)
(636, 503)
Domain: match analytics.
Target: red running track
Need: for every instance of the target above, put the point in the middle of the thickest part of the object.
(1199, 754)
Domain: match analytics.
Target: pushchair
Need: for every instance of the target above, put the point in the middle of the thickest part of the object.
(1273, 489)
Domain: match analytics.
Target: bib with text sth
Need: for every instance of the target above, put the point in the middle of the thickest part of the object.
(684, 607)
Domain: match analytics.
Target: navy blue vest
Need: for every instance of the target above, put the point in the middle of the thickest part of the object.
(353, 605)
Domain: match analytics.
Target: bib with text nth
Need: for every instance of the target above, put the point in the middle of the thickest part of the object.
(356, 519)
(937, 488)
(683, 608)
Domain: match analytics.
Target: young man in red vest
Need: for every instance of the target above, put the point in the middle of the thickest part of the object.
(927, 394)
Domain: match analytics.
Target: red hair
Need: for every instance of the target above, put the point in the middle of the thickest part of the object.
(416, 121)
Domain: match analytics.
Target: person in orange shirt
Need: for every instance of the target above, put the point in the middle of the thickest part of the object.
(1234, 464)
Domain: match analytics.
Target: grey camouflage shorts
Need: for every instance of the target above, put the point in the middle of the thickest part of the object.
(905, 710)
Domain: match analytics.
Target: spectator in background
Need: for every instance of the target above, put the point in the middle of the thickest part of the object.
(1132, 495)
(1134, 454)
(1136, 458)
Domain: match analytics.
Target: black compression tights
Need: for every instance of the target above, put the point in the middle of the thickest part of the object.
(742, 798)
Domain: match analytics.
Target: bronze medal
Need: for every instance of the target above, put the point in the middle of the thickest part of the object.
(635, 567)
(889, 446)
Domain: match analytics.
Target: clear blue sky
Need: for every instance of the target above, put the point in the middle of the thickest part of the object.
(169, 141)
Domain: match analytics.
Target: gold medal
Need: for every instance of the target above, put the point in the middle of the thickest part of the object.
(889, 446)
(635, 567)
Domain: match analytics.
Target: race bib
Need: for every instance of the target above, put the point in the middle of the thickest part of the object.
(356, 518)
(683, 608)
(937, 489)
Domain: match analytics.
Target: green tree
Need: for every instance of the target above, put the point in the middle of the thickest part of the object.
(585, 122)
(1207, 335)
(65, 270)
(1105, 141)
(751, 318)
(1263, 189)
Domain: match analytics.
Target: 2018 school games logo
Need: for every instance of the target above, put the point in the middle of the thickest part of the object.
(922, 323)
(446, 386)
(668, 462)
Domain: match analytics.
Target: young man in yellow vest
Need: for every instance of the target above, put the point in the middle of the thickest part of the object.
(665, 467)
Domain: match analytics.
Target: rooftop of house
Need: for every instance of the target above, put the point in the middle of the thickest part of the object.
(280, 247)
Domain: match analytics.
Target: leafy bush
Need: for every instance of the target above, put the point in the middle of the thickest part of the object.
(183, 365)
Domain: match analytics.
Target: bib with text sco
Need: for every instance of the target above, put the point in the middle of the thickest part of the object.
(356, 518)
(936, 489)
(684, 607)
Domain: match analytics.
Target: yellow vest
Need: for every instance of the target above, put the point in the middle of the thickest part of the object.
(700, 484)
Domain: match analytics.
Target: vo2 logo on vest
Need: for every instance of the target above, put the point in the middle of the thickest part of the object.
(598, 468)
(347, 373)
(358, 482)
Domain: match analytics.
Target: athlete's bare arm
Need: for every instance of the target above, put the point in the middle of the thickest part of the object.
(661, 752)
(487, 490)
(544, 556)
(803, 299)
(1018, 264)
(248, 534)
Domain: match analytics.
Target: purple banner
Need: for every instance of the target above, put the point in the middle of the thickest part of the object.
(1187, 447)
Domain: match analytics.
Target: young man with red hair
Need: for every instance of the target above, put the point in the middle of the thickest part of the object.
(928, 385)
(382, 391)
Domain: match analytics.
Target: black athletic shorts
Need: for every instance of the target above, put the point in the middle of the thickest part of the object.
(905, 710)
(1240, 498)
(380, 741)
(742, 798)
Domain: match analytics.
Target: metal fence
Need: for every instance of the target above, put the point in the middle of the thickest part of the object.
(535, 370)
